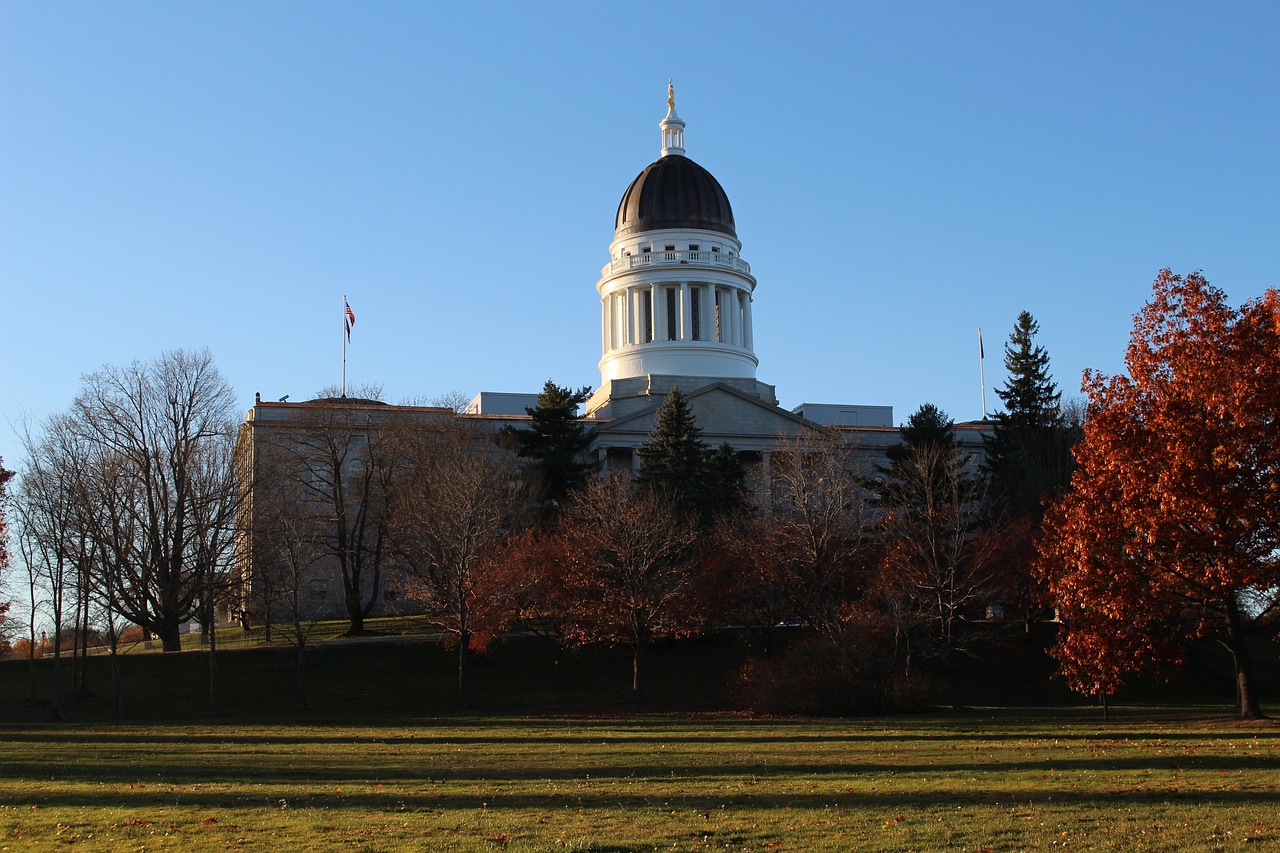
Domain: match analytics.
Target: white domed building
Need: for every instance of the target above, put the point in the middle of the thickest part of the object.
(676, 310)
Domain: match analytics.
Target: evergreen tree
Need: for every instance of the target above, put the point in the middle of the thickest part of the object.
(677, 462)
(725, 483)
(674, 457)
(556, 441)
(1030, 396)
(926, 425)
(929, 430)
(1029, 452)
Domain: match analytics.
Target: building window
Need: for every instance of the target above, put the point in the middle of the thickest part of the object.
(646, 249)
(693, 247)
(647, 309)
(672, 325)
(695, 299)
(668, 248)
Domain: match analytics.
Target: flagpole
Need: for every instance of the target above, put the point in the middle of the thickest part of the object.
(982, 374)
(344, 345)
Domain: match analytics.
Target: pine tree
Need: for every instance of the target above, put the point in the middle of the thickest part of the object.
(725, 484)
(1029, 451)
(556, 441)
(928, 433)
(674, 458)
(1029, 394)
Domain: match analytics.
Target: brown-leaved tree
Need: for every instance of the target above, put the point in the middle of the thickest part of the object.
(1172, 529)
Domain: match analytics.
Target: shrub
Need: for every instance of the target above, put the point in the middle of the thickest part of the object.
(818, 677)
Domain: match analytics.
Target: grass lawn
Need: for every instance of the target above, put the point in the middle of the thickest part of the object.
(1062, 781)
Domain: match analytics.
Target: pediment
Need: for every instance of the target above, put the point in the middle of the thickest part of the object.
(722, 412)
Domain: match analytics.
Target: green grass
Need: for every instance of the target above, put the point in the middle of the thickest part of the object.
(1056, 782)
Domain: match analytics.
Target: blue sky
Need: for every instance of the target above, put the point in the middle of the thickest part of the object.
(220, 174)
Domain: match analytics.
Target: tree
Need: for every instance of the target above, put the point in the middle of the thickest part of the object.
(160, 496)
(555, 443)
(927, 427)
(459, 497)
(339, 462)
(1029, 450)
(628, 556)
(289, 553)
(53, 512)
(940, 565)
(5, 476)
(1172, 529)
(673, 457)
(676, 462)
(817, 545)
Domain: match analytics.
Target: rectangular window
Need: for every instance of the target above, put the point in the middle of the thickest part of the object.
(647, 308)
(672, 324)
(695, 299)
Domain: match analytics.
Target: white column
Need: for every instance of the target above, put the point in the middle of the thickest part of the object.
(606, 323)
(735, 316)
(635, 319)
(657, 296)
(748, 339)
(686, 313)
(619, 320)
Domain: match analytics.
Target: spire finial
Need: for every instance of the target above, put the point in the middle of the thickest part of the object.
(672, 126)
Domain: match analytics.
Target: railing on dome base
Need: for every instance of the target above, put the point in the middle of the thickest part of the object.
(647, 259)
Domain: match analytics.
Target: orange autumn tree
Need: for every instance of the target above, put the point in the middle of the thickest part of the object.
(1171, 531)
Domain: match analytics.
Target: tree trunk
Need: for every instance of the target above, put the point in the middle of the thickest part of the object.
(464, 669)
(115, 683)
(170, 635)
(1238, 646)
(213, 670)
(637, 659)
(56, 711)
(302, 671)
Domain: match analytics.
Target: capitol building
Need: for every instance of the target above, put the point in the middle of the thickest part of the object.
(675, 296)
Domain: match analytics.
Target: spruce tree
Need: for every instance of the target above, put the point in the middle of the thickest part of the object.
(1029, 450)
(675, 461)
(929, 433)
(1030, 396)
(555, 442)
(674, 457)
(725, 484)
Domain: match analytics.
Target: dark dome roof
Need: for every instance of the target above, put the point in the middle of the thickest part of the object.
(674, 192)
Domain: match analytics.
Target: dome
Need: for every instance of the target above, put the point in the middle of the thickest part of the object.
(674, 192)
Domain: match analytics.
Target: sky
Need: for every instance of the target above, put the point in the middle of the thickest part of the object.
(199, 174)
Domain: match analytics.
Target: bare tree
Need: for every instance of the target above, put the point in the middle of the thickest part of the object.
(336, 464)
(817, 543)
(630, 564)
(940, 564)
(53, 542)
(460, 495)
(162, 435)
(289, 552)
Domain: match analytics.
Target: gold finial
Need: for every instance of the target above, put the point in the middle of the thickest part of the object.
(671, 95)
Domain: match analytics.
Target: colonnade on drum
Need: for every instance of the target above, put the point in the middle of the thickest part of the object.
(686, 311)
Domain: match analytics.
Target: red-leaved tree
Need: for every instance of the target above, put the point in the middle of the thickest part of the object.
(1172, 529)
